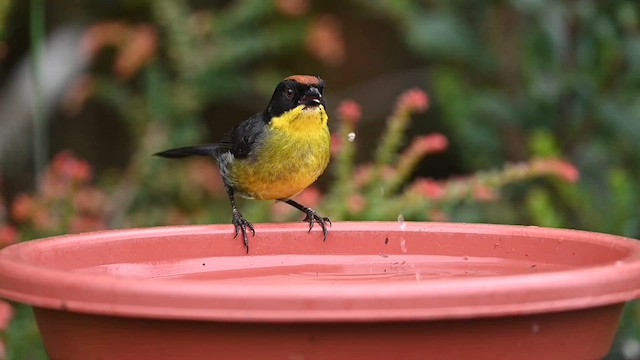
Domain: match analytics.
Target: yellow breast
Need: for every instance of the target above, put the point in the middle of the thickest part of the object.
(293, 154)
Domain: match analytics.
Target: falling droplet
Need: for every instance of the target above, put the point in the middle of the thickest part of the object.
(351, 136)
(403, 224)
(631, 348)
(403, 246)
(535, 327)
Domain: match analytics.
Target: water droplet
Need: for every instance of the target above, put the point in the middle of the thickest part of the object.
(535, 327)
(631, 348)
(403, 224)
(418, 276)
(351, 136)
(403, 246)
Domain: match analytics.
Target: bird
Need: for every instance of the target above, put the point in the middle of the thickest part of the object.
(274, 154)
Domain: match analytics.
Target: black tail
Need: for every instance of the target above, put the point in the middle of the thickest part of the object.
(200, 150)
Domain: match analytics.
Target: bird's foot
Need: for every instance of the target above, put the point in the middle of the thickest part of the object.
(313, 217)
(241, 224)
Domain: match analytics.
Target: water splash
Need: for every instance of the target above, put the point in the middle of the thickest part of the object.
(403, 246)
(351, 136)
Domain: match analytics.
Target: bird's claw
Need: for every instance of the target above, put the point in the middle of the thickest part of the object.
(313, 217)
(241, 224)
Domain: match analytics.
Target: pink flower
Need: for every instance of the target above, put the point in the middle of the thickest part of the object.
(438, 215)
(176, 216)
(137, 51)
(84, 223)
(293, 8)
(429, 188)
(67, 166)
(336, 144)
(205, 173)
(310, 196)
(78, 94)
(45, 220)
(356, 203)
(414, 100)
(136, 45)
(103, 34)
(564, 169)
(349, 111)
(363, 174)
(325, 41)
(22, 208)
(430, 143)
(6, 313)
(484, 193)
(281, 211)
(8, 235)
(89, 199)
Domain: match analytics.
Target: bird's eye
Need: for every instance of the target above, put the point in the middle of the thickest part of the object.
(288, 93)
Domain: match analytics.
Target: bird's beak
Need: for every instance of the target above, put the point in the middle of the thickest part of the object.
(311, 98)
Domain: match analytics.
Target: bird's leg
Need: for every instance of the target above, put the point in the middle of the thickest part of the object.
(312, 217)
(239, 222)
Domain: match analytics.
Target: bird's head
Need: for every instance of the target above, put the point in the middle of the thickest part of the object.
(296, 90)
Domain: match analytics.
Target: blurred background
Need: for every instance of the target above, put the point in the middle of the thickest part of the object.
(512, 111)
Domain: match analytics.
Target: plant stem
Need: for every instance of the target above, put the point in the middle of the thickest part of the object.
(37, 35)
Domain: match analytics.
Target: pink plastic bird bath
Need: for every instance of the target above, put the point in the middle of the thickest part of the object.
(372, 290)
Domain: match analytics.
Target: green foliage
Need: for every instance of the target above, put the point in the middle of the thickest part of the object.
(22, 338)
(561, 77)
